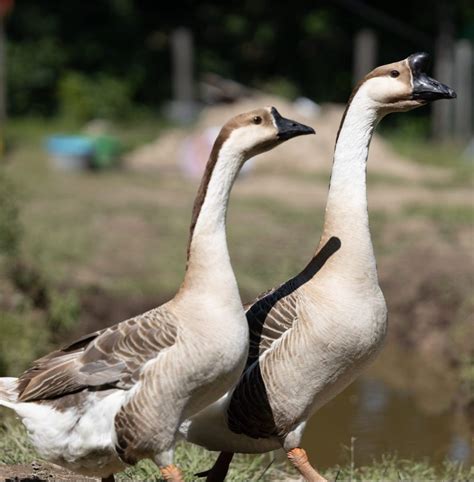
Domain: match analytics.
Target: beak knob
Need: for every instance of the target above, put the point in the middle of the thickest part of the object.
(418, 62)
(426, 88)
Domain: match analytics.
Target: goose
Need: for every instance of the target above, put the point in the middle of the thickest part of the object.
(311, 336)
(118, 395)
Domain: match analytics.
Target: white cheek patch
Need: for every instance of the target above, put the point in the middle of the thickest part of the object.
(385, 89)
(248, 137)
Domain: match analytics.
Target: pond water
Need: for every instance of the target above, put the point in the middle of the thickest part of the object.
(382, 420)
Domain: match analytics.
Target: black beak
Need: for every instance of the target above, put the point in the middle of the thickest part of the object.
(424, 87)
(288, 128)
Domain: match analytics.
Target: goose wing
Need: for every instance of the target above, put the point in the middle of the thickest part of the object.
(275, 312)
(269, 317)
(110, 358)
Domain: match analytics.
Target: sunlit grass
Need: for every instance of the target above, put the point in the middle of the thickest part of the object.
(432, 153)
(15, 448)
(442, 214)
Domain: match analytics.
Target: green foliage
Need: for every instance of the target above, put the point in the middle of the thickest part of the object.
(15, 448)
(316, 23)
(32, 311)
(32, 74)
(83, 98)
(391, 467)
(10, 227)
(63, 310)
(282, 87)
(23, 338)
(310, 43)
(446, 216)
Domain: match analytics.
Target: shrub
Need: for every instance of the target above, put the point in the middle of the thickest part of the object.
(83, 98)
(10, 226)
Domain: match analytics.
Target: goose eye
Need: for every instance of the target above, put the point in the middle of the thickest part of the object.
(257, 119)
(394, 73)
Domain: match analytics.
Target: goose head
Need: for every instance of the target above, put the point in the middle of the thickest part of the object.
(403, 85)
(260, 130)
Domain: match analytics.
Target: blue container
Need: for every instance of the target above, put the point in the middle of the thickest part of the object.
(70, 152)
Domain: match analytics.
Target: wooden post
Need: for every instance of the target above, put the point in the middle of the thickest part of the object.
(3, 97)
(182, 61)
(463, 85)
(365, 53)
(442, 111)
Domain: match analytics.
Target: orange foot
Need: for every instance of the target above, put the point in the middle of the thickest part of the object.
(299, 459)
(172, 473)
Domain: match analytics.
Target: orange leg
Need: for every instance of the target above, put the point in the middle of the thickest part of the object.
(172, 473)
(299, 459)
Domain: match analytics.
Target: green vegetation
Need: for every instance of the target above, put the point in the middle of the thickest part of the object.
(124, 234)
(84, 98)
(411, 139)
(445, 215)
(33, 312)
(124, 54)
(15, 448)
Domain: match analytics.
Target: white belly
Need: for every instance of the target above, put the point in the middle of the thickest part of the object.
(80, 441)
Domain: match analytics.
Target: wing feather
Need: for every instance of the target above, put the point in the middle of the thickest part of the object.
(109, 358)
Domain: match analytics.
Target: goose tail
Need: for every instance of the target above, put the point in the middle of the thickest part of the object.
(8, 391)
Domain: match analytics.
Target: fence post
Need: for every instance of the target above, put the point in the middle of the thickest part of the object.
(365, 53)
(3, 96)
(442, 111)
(182, 64)
(463, 80)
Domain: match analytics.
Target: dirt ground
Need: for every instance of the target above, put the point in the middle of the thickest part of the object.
(38, 472)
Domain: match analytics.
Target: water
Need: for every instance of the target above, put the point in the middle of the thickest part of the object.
(384, 420)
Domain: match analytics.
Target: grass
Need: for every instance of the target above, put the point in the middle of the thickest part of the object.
(431, 153)
(445, 215)
(125, 232)
(15, 448)
(29, 131)
(122, 229)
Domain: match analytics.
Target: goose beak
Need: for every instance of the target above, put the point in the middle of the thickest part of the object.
(288, 128)
(424, 87)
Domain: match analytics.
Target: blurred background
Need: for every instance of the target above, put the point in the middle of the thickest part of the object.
(108, 111)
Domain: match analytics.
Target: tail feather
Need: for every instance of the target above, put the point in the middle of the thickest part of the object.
(8, 391)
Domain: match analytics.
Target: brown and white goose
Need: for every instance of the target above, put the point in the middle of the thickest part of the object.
(119, 395)
(311, 336)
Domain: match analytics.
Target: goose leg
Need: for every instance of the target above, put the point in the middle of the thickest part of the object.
(172, 473)
(299, 459)
(218, 471)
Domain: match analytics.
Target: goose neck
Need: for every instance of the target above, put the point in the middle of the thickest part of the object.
(208, 258)
(346, 215)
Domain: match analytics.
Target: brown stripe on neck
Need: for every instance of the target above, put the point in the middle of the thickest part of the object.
(374, 73)
(405, 74)
(202, 191)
